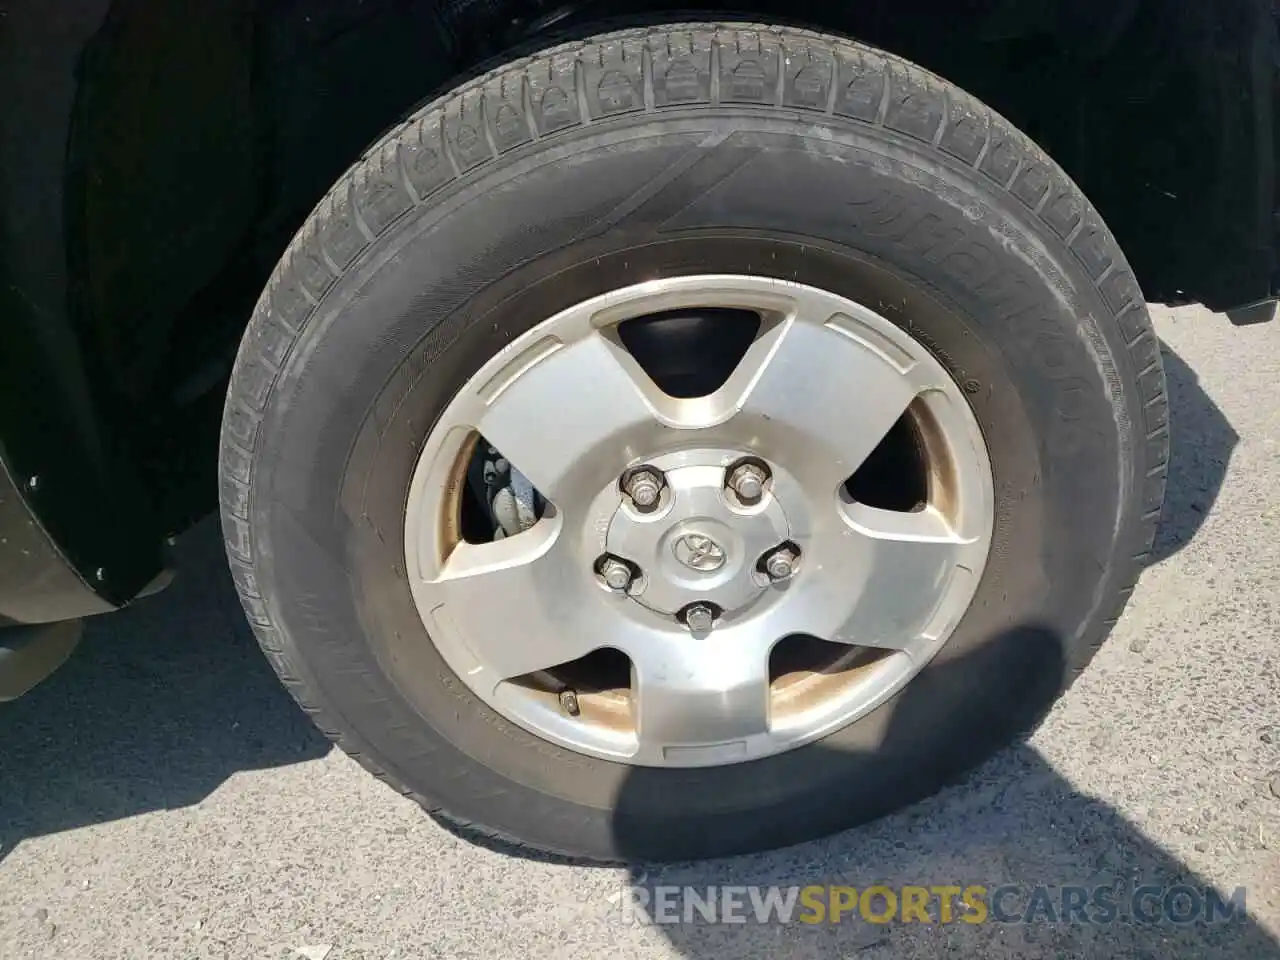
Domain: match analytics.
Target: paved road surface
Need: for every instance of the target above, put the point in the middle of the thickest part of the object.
(162, 797)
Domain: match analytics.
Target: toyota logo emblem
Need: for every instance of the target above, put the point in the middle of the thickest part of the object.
(699, 553)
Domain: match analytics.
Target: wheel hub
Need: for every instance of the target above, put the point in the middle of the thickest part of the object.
(703, 543)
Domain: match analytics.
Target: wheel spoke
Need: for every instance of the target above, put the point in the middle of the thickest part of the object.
(517, 604)
(927, 525)
(566, 414)
(905, 564)
(826, 382)
(698, 692)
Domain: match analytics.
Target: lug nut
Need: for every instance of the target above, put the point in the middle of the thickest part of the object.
(747, 481)
(699, 617)
(644, 487)
(616, 574)
(569, 702)
(781, 564)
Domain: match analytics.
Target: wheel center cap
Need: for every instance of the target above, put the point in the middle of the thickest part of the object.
(702, 543)
(698, 552)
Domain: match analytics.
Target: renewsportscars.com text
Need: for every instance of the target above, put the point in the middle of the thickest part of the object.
(934, 904)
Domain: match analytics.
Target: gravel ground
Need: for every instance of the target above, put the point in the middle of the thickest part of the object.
(161, 796)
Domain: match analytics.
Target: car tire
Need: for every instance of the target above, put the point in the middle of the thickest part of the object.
(658, 153)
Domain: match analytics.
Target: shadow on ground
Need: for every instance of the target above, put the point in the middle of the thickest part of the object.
(1015, 823)
(155, 709)
(1201, 443)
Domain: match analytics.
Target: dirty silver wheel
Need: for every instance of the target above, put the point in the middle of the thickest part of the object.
(694, 539)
